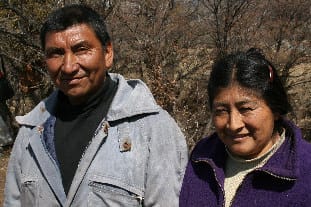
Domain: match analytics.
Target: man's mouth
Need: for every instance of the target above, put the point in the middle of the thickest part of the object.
(71, 80)
(239, 136)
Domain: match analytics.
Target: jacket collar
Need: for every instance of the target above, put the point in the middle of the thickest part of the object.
(285, 161)
(131, 99)
(40, 113)
(212, 150)
(283, 164)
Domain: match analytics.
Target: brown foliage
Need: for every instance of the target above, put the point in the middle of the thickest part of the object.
(170, 45)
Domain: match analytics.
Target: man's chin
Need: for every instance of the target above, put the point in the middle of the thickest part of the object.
(75, 97)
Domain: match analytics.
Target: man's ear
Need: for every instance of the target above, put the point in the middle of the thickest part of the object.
(108, 55)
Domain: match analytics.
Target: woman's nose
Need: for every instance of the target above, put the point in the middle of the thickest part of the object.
(235, 121)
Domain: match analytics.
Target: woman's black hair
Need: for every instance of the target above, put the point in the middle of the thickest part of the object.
(71, 15)
(253, 71)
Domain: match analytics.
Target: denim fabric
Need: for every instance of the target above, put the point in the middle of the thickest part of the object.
(48, 135)
(137, 157)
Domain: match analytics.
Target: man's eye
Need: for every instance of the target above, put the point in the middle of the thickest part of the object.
(81, 50)
(245, 109)
(53, 53)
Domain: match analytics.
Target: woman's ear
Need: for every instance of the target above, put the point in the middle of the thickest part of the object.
(276, 116)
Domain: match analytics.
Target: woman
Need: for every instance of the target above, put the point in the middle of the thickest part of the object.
(255, 157)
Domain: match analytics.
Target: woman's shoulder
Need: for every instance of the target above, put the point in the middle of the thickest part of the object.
(207, 141)
(209, 147)
(305, 148)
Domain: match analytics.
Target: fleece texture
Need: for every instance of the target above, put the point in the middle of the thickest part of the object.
(284, 181)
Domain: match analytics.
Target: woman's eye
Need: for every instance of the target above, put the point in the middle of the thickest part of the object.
(220, 111)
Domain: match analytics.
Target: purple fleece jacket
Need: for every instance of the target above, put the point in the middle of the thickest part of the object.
(284, 181)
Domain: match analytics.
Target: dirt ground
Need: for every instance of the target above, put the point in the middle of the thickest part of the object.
(4, 158)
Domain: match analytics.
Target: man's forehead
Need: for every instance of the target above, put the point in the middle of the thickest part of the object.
(73, 33)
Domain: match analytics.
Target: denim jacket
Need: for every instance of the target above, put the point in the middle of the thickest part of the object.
(137, 157)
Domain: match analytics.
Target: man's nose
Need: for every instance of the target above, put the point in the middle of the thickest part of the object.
(69, 63)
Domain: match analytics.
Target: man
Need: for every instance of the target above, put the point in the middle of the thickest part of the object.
(98, 140)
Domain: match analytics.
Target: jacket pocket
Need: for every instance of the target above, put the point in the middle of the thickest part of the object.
(108, 192)
(29, 192)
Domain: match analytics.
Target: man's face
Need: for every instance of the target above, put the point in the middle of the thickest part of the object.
(77, 61)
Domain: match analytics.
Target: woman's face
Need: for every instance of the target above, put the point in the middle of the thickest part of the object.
(243, 121)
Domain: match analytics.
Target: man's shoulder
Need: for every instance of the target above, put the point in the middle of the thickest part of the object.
(133, 83)
(160, 117)
(39, 114)
(133, 98)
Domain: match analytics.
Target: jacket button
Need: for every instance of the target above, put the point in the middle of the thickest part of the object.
(106, 127)
(126, 145)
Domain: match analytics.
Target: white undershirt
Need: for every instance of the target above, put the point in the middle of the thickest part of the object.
(237, 168)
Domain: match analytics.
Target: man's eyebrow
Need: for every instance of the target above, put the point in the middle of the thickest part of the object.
(81, 43)
(51, 50)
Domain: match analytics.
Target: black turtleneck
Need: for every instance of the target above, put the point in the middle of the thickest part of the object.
(75, 127)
